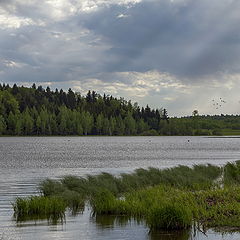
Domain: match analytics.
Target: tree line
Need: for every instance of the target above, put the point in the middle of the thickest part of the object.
(39, 111)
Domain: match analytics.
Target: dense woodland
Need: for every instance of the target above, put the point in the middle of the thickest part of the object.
(39, 111)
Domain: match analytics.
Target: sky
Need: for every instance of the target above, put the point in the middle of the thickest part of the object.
(180, 55)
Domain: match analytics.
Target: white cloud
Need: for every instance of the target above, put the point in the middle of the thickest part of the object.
(122, 15)
(12, 64)
(14, 14)
(8, 20)
(137, 85)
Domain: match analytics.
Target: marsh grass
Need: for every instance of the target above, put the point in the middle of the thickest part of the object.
(39, 207)
(172, 199)
(232, 173)
(173, 209)
(169, 217)
(198, 177)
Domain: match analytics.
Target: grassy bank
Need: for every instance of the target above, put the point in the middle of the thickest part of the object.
(171, 199)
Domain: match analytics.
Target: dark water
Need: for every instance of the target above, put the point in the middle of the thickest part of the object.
(25, 161)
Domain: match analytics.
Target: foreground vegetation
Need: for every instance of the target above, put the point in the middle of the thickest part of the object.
(41, 207)
(39, 111)
(173, 199)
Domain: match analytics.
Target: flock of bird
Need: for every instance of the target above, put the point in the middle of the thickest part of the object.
(218, 104)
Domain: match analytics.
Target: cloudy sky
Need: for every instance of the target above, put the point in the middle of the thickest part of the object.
(177, 54)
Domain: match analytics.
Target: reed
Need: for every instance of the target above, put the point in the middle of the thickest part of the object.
(169, 217)
(173, 198)
(232, 173)
(165, 207)
(39, 207)
(198, 177)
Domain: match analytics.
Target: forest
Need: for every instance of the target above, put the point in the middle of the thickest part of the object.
(38, 111)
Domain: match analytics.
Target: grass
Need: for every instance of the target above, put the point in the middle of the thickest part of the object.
(170, 208)
(170, 217)
(166, 199)
(232, 174)
(34, 208)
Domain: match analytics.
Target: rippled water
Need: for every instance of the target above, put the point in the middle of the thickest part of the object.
(25, 161)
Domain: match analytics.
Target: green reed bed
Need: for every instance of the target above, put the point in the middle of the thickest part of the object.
(162, 207)
(39, 207)
(170, 208)
(198, 177)
(68, 190)
(174, 198)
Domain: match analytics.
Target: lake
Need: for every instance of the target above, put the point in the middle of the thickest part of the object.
(25, 161)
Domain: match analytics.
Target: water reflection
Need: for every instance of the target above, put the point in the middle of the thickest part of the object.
(173, 235)
(104, 221)
(110, 222)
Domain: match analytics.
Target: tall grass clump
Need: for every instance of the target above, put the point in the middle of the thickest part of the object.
(39, 207)
(66, 189)
(103, 181)
(232, 173)
(74, 201)
(75, 184)
(103, 202)
(161, 206)
(170, 217)
(51, 187)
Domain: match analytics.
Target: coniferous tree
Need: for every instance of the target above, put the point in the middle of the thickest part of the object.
(2, 125)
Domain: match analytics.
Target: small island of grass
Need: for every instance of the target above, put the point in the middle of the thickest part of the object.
(205, 196)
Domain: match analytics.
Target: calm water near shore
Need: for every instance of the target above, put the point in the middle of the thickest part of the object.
(25, 161)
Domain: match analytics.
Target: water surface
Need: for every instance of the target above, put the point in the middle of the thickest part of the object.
(25, 161)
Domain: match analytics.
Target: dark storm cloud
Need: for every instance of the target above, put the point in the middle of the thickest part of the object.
(186, 38)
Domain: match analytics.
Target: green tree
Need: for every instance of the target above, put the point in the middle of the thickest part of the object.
(130, 124)
(142, 126)
(78, 121)
(62, 120)
(18, 129)
(87, 123)
(99, 123)
(112, 125)
(27, 122)
(120, 126)
(44, 121)
(11, 123)
(53, 124)
(106, 126)
(2, 125)
(8, 103)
